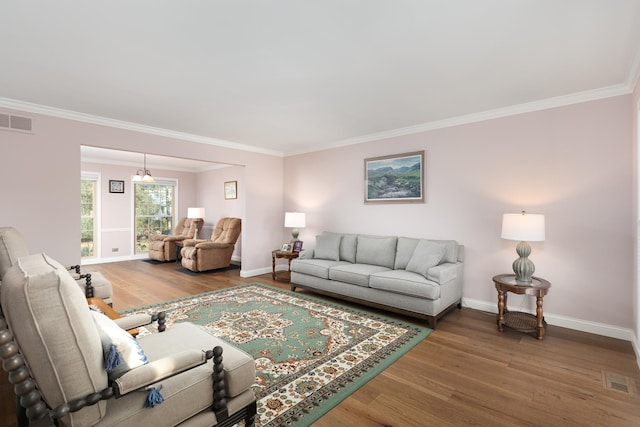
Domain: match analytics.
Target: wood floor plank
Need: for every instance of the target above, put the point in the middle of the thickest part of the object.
(464, 373)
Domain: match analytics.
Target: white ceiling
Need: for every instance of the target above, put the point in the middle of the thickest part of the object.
(289, 76)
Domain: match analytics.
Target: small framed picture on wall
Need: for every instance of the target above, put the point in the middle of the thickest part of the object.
(116, 186)
(231, 190)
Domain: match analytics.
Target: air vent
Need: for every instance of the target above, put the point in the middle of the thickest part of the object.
(9, 122)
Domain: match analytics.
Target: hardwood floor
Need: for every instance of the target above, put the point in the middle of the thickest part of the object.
(465, 372)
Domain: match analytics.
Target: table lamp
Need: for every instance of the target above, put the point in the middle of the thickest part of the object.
(523, 227)
(294, 220)
(194, 213)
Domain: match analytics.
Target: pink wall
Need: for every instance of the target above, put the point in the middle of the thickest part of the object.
(116, 209)
(41, 172)
(571, 164)
(210, 195)
(636, 215)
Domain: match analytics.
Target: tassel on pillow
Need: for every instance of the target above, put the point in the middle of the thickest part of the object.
(113, 358)
(154, 397)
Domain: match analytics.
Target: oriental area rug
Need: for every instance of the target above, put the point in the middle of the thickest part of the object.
(310, 354)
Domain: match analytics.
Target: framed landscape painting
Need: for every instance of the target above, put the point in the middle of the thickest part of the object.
(394, 179)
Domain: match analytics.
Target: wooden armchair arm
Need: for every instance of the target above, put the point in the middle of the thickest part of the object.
(88, 287)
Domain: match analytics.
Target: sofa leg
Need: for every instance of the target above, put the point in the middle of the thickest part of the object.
(293, 287)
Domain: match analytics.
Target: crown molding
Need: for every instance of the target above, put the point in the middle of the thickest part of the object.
(120, 124)
(560, 101)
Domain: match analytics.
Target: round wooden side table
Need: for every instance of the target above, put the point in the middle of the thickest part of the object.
(517, 320)
(286, 255)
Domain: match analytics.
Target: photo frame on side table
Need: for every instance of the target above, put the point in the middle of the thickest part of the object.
(398, 178)
(116, 186)
(297, 246)
(286, 247)
(231, 190)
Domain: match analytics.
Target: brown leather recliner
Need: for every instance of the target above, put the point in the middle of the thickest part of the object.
(162, 247)
(203, 255)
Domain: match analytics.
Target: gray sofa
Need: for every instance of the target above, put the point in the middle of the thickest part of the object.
(417, 277)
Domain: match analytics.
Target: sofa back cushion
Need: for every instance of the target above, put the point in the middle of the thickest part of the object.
(451, 250)
(348, 243)
(404, 251)
(376, 250)
(427, 254)
(328, 246)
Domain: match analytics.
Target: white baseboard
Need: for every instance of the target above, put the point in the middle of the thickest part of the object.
(257, 272)
(567, 322)
(636, 349)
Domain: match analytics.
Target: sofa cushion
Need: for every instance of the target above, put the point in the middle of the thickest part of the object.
(328, 247)
(404, 251)
(314, 267)
(451, 247)
(376, 250)
(348, 244)
(405, 283)
(427, 254)
(355, 274)
(129, 353)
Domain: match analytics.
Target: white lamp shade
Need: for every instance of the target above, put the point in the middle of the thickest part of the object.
(523, 227)
(294, 219)
(195, 213)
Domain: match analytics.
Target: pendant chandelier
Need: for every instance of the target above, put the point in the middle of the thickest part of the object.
(143, 175)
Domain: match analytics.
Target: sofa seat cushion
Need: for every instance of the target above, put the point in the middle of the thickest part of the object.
(314, 267)
(355, 274)
(405, 283)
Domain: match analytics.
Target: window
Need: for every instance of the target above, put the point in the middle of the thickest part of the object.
(88, 221)
(154, 208)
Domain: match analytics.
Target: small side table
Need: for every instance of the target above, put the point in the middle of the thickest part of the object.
(286, 255)
(523, 322)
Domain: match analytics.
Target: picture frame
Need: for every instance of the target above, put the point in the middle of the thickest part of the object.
(286, 247)
(398, 178)
(116, 186)
(231, 190)
(297, 246)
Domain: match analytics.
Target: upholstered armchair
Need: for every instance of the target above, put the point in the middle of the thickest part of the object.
(72, 366)
(13, 247)
(162, 247)
(203, 255)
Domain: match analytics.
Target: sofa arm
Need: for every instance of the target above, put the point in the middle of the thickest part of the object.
(193, 242)
(134, 321)
(306, 254)
(212, 245)
(156, 237)
(443, 273)
(145, 375)
(174, 238)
